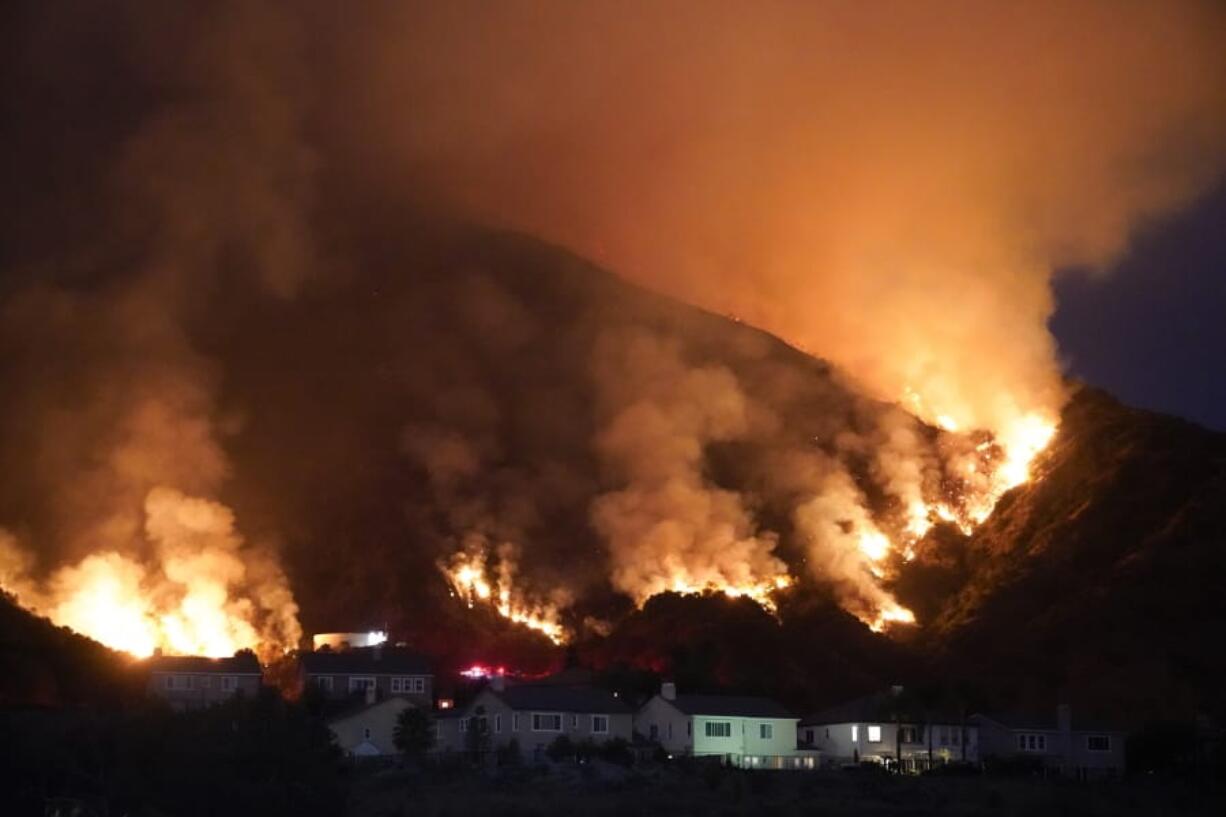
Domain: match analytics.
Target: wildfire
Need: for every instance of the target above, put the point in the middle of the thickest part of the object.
(467, 574)
(203, 596)
(761, 592)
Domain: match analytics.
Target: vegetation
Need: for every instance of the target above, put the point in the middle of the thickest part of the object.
(414, 733)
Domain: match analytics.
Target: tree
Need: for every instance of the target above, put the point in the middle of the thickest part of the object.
(414, 733)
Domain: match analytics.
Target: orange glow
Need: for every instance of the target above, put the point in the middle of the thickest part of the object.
(467, 574)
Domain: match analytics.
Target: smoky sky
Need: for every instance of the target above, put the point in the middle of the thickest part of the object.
(323, 265)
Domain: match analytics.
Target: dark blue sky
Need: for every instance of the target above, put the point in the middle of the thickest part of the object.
(1153, 332)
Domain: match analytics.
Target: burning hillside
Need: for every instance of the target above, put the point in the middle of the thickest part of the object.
(263, 357)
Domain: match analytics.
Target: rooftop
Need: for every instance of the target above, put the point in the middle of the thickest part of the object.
(241, 664)
(365, 661)
(746, 706)
(555, 697)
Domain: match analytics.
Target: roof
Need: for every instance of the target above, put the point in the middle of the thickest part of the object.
(241, 664)
(560, 698)
(745, 706)
(359, 709)
(365, 661)
(880, 707)
(1043, 722)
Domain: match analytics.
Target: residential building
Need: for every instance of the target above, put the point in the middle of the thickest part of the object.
(1054, 743)
(193, 681)
(369, 729)
(749, 732)
(390, 671)
(888, 726)
(534, 715)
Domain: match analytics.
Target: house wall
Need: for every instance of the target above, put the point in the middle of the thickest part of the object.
(383, 685)
(351, 735)
(837, 746)
(194, 690)
(503, 726)
(679, 733)
(1066, 752)
(670, 726)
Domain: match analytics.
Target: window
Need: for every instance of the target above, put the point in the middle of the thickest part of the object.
(600, 724)
(170, 682)
(689, 729)
(855, 733)
(827, 733)
(324, 682)
(943, 736)
(546, 722)
(228, 683)
(574, 721)
(874, 734)
(908, 734)
(514, 721)
(419, 686)
(654, 731)
(498, 724)
(366, 733)
(718, 729)
(361, 683)
(463, 724)
(1098, 743)
(766, 731)
(400, 685)
(1032, 743)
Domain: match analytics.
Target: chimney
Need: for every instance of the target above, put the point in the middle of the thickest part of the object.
(498, 682)
(668, 691)
(370, 694)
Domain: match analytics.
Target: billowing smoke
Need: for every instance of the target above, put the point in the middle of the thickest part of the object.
(887, 185)
(125, 429)
(247, 312)
(669, 528)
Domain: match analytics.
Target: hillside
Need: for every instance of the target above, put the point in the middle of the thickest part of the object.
(1099, 581)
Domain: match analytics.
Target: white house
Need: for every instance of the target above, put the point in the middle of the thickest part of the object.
(745, 731)
(884, 727)
(1056, 744)
(534, 715)
(369, 730)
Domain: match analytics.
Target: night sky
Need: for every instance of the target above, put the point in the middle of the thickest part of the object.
(1153, 332)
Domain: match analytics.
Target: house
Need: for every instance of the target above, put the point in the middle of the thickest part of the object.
(193, 681)
(368, 729)
(390, 671)
(744, 731)
(888, 726)
(534, 715)
(1053, 743)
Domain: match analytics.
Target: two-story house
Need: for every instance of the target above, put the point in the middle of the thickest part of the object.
(889, 728)
(534, 715)
(389, 671)
(749, 732)
(1053, 743)
(193, 681)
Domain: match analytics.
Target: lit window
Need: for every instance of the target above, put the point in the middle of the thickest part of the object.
(874, 734)
(766, 731)
(600, 725)
(855, 733)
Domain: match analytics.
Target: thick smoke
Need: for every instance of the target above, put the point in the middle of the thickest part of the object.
(887, 185)
(125, 434)
(235, 287)
(669, 527)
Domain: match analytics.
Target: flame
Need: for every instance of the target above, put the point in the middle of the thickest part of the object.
(203, 595)
(467, 574)
(893, 614)
(762, 592)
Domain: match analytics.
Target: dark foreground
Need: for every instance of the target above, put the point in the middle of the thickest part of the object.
(599, 790)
